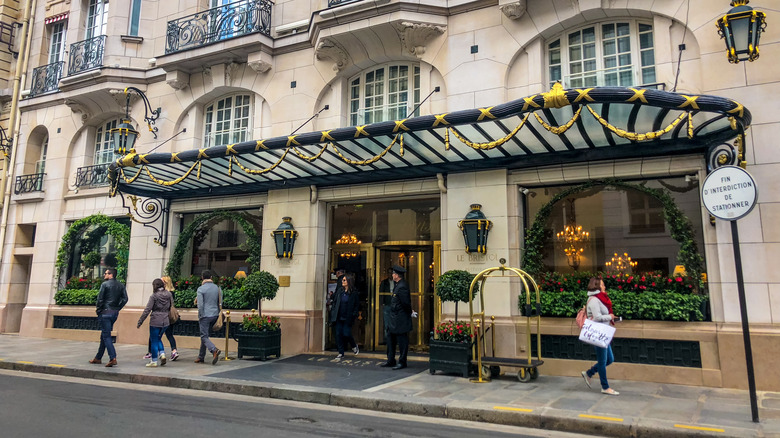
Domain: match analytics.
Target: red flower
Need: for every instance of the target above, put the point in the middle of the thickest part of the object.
(679, 279)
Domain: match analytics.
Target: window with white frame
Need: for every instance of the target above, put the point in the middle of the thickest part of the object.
(616, 53)
(383, 93)
(40, 165)
(57, 41)
(135, 17)
(228, 120)
(97, 18)
(104, 150)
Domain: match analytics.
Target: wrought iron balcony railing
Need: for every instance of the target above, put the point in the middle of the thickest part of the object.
(92, 176)
(86, 55)
(334, 3)
(29, 183)
(46, 78)
(228, 21)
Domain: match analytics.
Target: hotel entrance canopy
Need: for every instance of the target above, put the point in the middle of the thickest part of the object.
(559, 126)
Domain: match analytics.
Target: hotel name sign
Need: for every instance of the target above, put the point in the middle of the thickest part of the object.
(729, 193)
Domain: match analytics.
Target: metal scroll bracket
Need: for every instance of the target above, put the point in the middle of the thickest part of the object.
(150, 212)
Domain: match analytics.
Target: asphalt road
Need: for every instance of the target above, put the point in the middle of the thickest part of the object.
(50, 406)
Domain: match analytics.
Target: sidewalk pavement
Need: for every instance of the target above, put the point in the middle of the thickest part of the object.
(643, 409)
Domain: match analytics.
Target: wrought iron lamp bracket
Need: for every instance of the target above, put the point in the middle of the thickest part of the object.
(150, 115)
(152, 212)
(5, 142)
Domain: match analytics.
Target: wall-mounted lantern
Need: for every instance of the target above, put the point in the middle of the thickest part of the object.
(741, 28)
(124, 136)
(475, 227)
(284, 238)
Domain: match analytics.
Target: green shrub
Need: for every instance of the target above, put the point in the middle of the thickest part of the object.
(184, 299)
(231, 299)
(258, 286)
(652, 306)
(76, 297)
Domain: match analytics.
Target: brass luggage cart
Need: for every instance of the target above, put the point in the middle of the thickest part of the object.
(528, 369)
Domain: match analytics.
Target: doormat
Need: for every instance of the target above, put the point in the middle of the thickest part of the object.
(320, 371)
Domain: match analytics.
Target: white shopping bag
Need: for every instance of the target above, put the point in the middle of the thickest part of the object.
(597, 334)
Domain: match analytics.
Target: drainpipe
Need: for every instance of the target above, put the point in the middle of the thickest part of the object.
(13, 131)
(440, 180)
(314, 195)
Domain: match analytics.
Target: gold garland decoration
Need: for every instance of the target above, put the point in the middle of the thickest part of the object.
(370, 160)
(312, 158)
(130, 180)
(634, 135)
(485, 146)
(558, 130)
(177, 180)
(261, 171)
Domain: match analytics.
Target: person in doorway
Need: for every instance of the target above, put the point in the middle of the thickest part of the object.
(332, 294)
(169, 330)
(342, 316)
(387, 284)
(158, 306)
(399, 321)
(599, 309)
(209, 302)
(111, 298)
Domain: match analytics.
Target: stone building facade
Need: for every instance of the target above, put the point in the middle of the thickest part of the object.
(231, 73)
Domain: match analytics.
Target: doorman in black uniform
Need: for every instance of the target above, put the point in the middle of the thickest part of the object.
(399, 323)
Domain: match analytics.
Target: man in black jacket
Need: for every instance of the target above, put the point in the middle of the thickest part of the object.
(399, 323)
(111, 298)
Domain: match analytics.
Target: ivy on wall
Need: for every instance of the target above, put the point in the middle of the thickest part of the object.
(679, 225)
(198, 229)
(121, 235)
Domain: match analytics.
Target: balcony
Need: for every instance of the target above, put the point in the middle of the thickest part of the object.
(29, 183)
(86, 55)
(46, 78)
(228, 21)
(334, 3)
(92, 176)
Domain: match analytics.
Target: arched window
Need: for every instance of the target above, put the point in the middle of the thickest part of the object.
(228, 120)
(383, 93)
(104, 150)
(617, 53)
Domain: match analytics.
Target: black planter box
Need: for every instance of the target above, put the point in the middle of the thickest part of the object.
(450, 357)
(259, 344)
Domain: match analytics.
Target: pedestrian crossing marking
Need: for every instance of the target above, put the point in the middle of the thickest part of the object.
(26, 362)
(597, 417)
(506, 408)
(708, 429)
(56, 365)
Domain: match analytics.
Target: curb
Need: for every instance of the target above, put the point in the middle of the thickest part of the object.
(544, 418)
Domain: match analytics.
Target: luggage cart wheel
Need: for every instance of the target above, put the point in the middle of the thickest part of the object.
(524, 375)
(534, 372)
(486, 372)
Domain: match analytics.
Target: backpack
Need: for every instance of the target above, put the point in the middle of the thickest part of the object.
(582, 315)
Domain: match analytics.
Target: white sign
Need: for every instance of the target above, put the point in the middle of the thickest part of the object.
(729, 193)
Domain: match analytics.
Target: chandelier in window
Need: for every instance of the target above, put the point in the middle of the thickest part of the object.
(572, 240)
(348, 238)
(621, 264)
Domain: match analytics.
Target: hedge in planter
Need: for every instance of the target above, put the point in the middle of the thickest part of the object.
(76, 297)
(652, 306)
(259, 336)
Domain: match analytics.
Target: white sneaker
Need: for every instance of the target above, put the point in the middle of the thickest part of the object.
(339, 357)
(163, 360)
(609, 391)
(356, 350)
(152, 364)
(587, 379)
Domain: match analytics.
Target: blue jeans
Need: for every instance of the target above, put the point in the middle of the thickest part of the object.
(604, 357)
(344, 333)
(106, 321)
(155, 341)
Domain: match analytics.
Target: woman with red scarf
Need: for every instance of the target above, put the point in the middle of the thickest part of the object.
(599, 309)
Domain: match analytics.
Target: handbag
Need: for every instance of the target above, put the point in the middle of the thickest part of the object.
(219, 322)
(173, 314)
(595, 333)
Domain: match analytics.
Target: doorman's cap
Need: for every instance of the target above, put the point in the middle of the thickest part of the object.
(399, 269)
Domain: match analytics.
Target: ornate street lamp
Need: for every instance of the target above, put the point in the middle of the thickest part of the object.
(5, 142)
(741, 28)
(124, 136)
(284, 237)
(475, 227)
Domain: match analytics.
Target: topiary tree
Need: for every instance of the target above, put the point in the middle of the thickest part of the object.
(454, 286)
(259, 286)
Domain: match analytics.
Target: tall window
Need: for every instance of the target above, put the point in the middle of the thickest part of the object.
(40, 165)
(57, 41)
(97, 18)
(606, 54)
(104, 150)
(389, 92)
(228, 120)
(135, 17)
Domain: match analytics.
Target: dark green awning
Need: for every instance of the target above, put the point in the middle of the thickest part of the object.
(560, 126)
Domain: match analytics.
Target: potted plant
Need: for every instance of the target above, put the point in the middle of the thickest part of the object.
(451, 344)
(259, 336)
